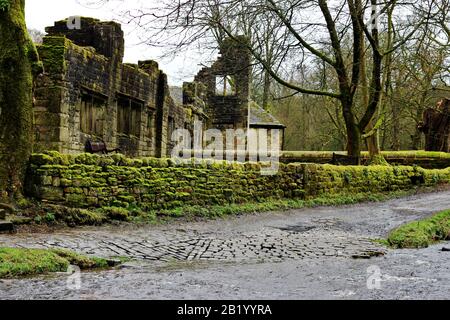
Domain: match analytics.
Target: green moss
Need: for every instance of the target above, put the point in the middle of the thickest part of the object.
(421, 234)
(81, 261)
(25, 262)
(386, 154)
(59, 159)
(116, 213)
(78, 217)
(4, 5)
(41, 159)
(53, 52)
(75, 199)
(378, 160)
(157, 184)
(17, 55)
(87, 159)
(276, 204)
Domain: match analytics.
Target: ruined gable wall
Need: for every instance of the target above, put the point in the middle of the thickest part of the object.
(227, 111)
(69, 69)
(73, 70)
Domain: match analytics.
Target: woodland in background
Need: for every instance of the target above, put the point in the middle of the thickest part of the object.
(416, 75)
(341, 74)
(419, 80)
(316, 124)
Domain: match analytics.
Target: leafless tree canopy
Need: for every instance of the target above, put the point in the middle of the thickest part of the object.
(344, 50)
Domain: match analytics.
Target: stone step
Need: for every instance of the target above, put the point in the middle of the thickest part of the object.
(6, 226)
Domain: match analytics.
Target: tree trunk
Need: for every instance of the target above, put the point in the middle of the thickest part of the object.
(387, 84)
(353, 132)
(17, 57)
(416, 138)
(266, 90)
(395, 127)
(373, 144)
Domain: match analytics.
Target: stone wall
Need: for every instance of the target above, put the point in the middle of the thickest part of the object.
(150, 183)
(424, 159)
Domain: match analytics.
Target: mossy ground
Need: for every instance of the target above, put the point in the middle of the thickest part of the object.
(278, 205)
(46, 215)
(16, 262)
(365, 154)
(421, 234)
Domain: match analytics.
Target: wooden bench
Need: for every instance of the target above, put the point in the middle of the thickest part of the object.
(343, 160)
(98, 147)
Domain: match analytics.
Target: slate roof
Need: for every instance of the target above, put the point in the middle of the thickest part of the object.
(261, 118)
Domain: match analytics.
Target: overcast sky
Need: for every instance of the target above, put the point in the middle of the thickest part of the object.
(42, 13)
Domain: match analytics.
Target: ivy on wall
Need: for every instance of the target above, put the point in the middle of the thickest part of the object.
(4, 5)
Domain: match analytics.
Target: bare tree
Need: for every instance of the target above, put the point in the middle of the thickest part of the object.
(308, 31)
(36, 35)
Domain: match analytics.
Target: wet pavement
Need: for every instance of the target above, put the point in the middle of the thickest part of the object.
(320, 253)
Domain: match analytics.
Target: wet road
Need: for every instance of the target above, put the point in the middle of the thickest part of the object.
(320, 253)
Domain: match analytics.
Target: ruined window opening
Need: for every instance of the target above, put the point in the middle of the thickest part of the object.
(92, 114)
(171, 128)
(224, 125)
(129, 116)
(151, 120)
(225, 86)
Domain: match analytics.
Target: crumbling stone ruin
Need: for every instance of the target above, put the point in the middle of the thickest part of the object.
(223, 90)
(88, 94)
(436, 126)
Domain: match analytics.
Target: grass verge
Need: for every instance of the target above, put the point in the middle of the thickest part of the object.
(279, 205)
(17, 262)
(421, 234)
(47, 215)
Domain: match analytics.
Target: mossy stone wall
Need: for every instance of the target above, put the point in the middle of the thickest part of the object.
(424, 159)
(150, 183)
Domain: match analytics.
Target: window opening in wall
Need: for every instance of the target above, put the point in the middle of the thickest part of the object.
(171, 128)
(225, 86)
(151, 120)
(92, 114)
(129, 116)
(224, 126)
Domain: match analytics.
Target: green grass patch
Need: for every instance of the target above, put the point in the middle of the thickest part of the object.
(421, 234)
(278, 205)
(73, 217)
(15, 262)
(386, 154)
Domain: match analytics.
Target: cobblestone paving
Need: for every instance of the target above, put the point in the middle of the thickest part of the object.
(267, 244)
(301, 254)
